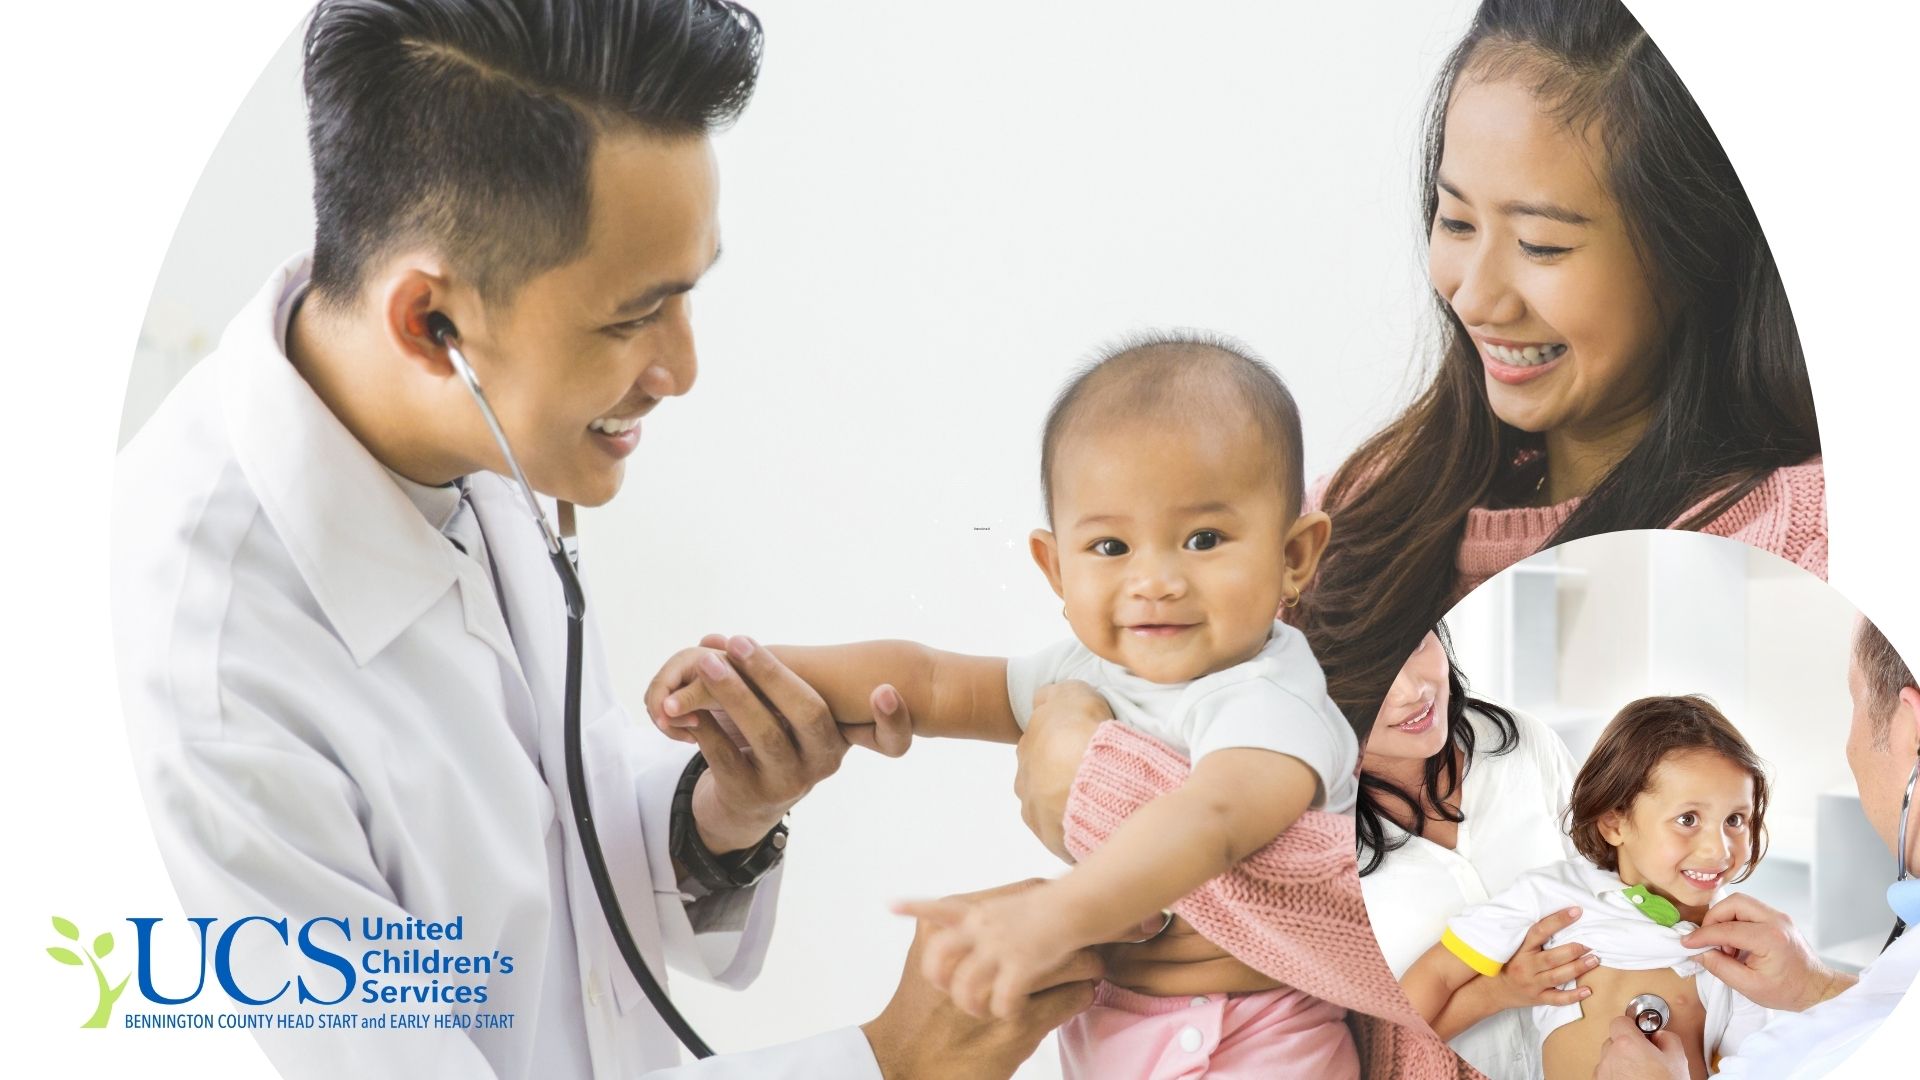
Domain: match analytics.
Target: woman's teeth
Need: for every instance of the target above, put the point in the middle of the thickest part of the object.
(1526, 357)
(610, 426)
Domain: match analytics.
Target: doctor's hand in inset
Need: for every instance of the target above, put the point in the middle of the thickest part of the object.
(1762, 957)
(923, 1035)
(768, 737)
(1631, 1054)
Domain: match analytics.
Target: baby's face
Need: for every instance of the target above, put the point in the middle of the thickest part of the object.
(1688, 834)
(1170, 546)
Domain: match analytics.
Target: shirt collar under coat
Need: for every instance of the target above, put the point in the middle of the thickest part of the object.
(372, 560)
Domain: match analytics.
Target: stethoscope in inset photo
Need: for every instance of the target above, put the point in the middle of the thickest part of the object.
(564, 553)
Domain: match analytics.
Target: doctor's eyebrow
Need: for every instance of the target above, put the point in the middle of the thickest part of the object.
(645, 300)
(1522, 208)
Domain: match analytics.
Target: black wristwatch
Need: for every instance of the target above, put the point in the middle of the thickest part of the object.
(717, 872)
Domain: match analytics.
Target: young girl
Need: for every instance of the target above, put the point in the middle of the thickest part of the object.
(1667, 811)
(1172, 476)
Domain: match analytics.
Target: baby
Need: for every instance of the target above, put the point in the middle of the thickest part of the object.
(1667, 810)
(1172, 476)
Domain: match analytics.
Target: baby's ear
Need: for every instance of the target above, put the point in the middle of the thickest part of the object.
(1046, 555)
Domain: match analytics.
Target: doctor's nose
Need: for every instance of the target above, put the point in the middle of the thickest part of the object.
(673, 368)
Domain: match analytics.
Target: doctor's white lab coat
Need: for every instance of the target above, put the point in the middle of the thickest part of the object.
(333, 715)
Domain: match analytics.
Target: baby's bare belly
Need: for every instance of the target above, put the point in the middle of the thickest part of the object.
(1573, 1050)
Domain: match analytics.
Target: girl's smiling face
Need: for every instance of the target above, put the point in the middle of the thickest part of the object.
(1689, 833)
(1529, 250)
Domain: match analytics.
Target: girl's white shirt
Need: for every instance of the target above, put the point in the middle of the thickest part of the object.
(1513, 804)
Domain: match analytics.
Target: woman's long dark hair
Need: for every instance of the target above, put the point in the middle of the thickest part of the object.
(1735, 404)
(1440, 778)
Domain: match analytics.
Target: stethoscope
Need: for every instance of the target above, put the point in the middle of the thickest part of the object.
(565, 556)
(1903, 896)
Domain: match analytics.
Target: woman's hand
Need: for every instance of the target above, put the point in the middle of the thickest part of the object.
(1180, 963)
(1064, 718)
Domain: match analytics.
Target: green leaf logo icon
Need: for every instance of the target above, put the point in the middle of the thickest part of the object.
(102, 945)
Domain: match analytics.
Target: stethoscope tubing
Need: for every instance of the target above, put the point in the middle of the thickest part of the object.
(582, 807)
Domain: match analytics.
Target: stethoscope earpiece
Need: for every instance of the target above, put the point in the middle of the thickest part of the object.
(440, 328)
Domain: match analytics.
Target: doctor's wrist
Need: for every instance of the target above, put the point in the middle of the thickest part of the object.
(726, 828)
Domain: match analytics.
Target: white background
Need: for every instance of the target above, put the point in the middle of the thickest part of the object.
(929, 214)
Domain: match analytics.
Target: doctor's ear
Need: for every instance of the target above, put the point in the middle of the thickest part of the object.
(412, 311)
(1907, 720)
(1046, 555)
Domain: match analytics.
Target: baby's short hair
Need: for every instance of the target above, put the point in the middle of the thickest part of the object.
(1639, 737)
(1186, 374)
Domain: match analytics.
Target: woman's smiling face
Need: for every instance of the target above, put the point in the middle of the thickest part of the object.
(1412, 722)
(1531, 253)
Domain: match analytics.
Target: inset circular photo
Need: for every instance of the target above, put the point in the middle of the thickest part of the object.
(1641, 795)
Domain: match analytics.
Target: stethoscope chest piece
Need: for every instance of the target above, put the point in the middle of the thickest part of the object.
(1649, 1013)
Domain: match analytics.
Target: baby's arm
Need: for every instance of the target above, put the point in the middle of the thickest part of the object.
(988, 955)
(946, 694)
(1235, 803)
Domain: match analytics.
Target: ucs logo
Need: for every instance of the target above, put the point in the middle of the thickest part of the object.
(102, 945)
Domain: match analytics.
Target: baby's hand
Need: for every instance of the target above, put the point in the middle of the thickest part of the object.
(677, 700)
(990, 953)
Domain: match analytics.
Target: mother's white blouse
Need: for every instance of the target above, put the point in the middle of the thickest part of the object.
(1513, 804)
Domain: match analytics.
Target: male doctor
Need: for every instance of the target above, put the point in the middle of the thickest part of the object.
(340, 635)
(1822, 1016)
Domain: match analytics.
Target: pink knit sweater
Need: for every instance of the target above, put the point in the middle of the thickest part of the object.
(1786, 515)
(1292, 911)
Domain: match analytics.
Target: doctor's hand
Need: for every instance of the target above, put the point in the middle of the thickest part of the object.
(1762, 957)
(768, 737)
(1629, 1054)
(1065, 716)
(923, 1035)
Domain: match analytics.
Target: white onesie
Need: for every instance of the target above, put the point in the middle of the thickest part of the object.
(1614, 923)
(1276, 701)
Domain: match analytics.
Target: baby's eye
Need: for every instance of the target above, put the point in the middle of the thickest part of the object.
(1108, 547)
(1687, 820)
(1204, 540)
(1736, 821)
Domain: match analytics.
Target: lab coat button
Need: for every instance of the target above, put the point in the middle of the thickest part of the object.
(1190, 1038)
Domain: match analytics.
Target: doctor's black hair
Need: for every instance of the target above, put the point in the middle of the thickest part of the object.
(470, 125)
(1441, 775)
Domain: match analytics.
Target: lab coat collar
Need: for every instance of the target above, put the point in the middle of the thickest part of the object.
(371, 559)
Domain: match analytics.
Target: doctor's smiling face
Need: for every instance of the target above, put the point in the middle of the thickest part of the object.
(1532, 255)
(580, 353)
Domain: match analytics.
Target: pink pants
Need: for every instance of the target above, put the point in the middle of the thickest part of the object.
(1273, 1033)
